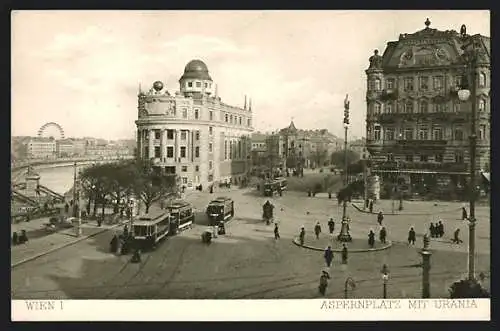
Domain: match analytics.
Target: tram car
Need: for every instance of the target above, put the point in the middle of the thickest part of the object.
(271, 187)
(220, 210)
(181, 215)
(149, 229)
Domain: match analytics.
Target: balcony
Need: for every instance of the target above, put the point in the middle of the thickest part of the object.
(455, 117)
(429, 166)
(389, 94)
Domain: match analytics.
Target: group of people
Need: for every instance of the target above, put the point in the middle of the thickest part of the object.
(317, 230)
(325, 275)
(382, 236)
(19, 238)
(436, 231)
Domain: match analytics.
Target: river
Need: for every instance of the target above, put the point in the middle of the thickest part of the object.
(58, 179)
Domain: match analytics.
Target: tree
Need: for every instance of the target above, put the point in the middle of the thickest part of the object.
(337, 158)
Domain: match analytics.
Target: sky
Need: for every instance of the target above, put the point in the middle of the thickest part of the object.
(82, 69)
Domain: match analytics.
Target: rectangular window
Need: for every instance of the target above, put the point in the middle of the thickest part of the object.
(408, 134)
(424, 158)
(210, 130)
(211, 115)
(376, 132)
(240, 120)
(389, 84)
(409, 158)
(482, 132)
(438, 82)
(459, 157)
(459, 135)
(198, 84)
(210, 165)
(157, 134)
(206, 85)
(438, 158)
(197, 135)
(438, 134)
(190, 84)
(423, 83)
(226, 118)
(196, 114)
(157, 151)
(439, 107)
(408, 84)
(388, 108)
(423, 134)
(408, 107)
(184, 180)
(170, 152)
(184, 113)
(197, 168)
(183, 135)
(390, 157)
(183, 151)
(210, 147)
(225, 150)
(184, 168)
(389, 134)
(456, 107)
(197, 151)
(458, 81)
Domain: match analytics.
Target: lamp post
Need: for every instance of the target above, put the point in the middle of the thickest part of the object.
(426, 267)
(344, 235)
(470, 59)
(385, 278)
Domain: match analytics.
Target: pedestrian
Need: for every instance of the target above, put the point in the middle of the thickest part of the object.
(371, 206)
(15, 239)
(125, 231)
(323, 282)
(331, 225)
(456, 239)
(464, 213)
(328, 256)
(440, 229)
(383, 235)
(302, 235)
(371, 238)
(276, 231)
(317, 229)
(344, 254)
(211, 189)
(380, 217)
(411, 236)
(432, 230)
(23, 238)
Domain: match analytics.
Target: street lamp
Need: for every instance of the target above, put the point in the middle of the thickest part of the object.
(344, 235)
(426, 266)
(385, 278)
(470, 60)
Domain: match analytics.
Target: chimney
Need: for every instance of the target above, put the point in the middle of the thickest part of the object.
(245, 106)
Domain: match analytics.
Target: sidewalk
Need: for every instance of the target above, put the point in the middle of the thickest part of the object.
(49, 243)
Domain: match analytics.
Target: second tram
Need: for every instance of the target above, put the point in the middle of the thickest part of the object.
(181, 215)
(149, 229)
(220, 210)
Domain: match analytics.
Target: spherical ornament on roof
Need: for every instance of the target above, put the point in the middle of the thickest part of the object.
(196, 69)
(158, 86)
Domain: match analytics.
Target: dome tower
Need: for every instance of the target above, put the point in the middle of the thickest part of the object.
(196, 79)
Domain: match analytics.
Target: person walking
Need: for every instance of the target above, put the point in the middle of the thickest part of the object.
(331, 225)
(382, 235)
(317, 229)
(411, 236)
(380, 217)
(440, 229)
(276, 231)
(432, 230)
(323, 282)
(464, 213)
(371, 206)
(371, 238)
(456, 239)
(328, 255)
(344, 254)
(302, 235)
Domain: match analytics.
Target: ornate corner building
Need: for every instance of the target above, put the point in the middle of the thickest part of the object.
(193, 133)
(416, 127)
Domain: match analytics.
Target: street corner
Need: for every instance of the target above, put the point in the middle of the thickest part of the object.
(356, 245)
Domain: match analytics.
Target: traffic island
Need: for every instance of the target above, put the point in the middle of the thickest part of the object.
(357, 245)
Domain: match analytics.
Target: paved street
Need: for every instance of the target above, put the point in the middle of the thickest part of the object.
(249, 263)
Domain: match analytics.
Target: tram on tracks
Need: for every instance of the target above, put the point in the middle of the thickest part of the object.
(273, 186)
(181, 215)
(151, 228)
(219, 210)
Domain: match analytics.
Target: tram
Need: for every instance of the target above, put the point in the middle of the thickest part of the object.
(220, 210)
(149, 229)
(181, 215)
(282, 182)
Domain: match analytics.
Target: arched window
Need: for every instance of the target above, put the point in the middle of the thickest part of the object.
(482, 79)
(424, 106)
(481, 105)
(377, 108)
(378, 84)
(408, 107)
(388, 108)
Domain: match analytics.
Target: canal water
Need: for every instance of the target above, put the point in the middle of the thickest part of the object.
(58, 179)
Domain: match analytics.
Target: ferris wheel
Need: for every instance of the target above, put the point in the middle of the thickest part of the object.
(44, 128)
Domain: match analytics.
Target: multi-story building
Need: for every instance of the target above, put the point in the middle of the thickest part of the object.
(416, 127)
(193, 133)
(41, 148)
(259, 149)
(79, 146)
(65, 148)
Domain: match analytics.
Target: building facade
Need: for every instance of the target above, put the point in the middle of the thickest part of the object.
(41, 148)
(65, 148)
(416, 127)
(193, 133)
(259, 150)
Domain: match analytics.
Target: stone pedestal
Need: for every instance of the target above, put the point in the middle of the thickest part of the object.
(344, 235)
(32, 182)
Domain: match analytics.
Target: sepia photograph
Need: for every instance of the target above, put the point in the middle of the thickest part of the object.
(234, 155)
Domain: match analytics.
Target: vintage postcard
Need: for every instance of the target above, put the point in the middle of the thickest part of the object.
(294, 165)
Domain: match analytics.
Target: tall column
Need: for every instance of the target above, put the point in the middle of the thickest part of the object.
(151, 144)
(163, 140)
(139, 143)
(177, 148)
